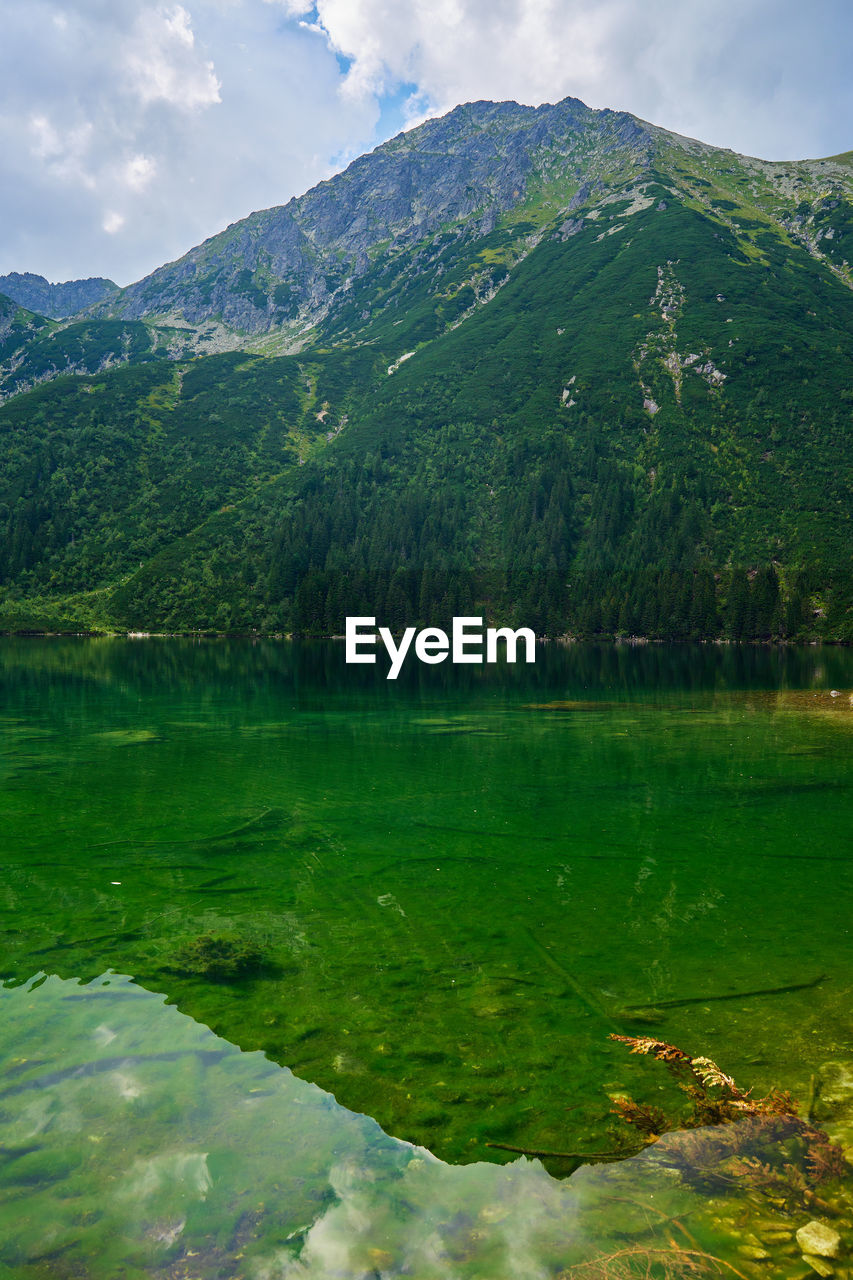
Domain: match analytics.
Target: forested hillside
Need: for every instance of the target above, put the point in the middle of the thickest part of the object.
(617, 401)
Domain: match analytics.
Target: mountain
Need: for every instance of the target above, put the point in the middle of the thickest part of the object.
(18, 329)
(292, 266)
(555, 365)
(34, 349)
(392, 216)
(55, 300)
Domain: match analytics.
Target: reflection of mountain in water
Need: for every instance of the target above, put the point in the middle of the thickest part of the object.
(134, 1137)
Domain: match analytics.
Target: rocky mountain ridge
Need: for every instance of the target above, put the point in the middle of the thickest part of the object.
(56, 301)
(282, 269)
(284, 276)
(440, 216)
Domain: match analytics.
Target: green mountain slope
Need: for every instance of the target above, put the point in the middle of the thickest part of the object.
(602, 382)
(99, 475)
(34, 349)
(18, 329)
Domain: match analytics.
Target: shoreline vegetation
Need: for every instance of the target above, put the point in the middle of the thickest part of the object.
(118, 633)
(757, 604)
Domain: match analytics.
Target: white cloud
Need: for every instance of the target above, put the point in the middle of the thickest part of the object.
(458, 50)
(138, 172)
(294, 8)
(751, 74)
(46, 142)
(161, 120)
(161, 62)
(179, 118)
(64, 152)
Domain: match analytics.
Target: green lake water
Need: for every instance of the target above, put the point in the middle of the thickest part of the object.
(284, 945)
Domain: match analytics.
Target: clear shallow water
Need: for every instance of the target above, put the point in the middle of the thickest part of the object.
(157, 1149)
(435, 899)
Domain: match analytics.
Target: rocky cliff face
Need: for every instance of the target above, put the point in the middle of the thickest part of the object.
(55, 300)
(327, 264)
(284, 267)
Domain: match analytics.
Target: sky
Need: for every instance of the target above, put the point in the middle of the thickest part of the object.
(131, 130)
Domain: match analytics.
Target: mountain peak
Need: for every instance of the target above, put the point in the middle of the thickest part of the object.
(282, 269)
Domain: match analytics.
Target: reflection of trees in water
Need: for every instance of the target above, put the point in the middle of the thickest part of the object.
(168, 665)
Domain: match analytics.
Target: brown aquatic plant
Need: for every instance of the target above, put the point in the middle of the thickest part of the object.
(706, 1073)
(657, 1048)
(711, 1076)
(731, 1137)
(825, 1159)
(646, 1119)
(638, 1262)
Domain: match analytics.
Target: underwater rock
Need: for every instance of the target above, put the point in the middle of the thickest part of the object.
(216, 957)
(753, 1253)
(833, 1104)
(816, 1238)
(835, 1089)
(820, 1265)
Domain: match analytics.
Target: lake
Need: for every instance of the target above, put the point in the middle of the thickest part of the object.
(285, 946)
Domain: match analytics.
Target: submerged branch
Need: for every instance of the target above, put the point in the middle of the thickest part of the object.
(734, 995)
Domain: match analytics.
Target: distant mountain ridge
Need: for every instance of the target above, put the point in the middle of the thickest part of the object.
(56, 301)
(35, 349)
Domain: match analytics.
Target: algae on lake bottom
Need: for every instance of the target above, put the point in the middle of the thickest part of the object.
(441, 928)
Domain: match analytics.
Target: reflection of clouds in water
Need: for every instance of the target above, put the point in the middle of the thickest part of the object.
(128, 1088)
(160, 1188)
(432, 1220)
(131, 1125)
(162, 1177)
